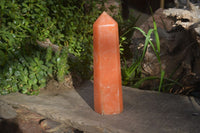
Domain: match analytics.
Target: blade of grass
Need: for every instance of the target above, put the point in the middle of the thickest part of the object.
(173, 81)
(161, 79)
(156, 36)
(138, 83)
(147, 40)
(146, 43)
(155, 32)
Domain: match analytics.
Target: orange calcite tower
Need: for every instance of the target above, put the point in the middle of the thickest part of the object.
(107, 72)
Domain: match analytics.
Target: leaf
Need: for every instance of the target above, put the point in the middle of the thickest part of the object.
(24, 78)
(34, 81)
(48, 54)
(32, 76)
(40, 75)
(14, 88)
(17, 73)
(156, 35)
(32, 64)
(24, 90)
(42, 85)
(35, 87)
(30, 83)
(3, 58)
(43, 80)
(2, 4)
(44, 68)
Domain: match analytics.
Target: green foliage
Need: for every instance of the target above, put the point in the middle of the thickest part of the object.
(126, 31)
(28, 72)
(155, 49)
(68, 24)
(61, 62)
(26, 68)
(80, 37)
(130, 74)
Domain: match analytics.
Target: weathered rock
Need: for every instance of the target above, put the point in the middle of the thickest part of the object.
(51, 126)
(144, 111)
(186, 17)
(179, 51)
(6, 111)
(162, 21)
(27, 121)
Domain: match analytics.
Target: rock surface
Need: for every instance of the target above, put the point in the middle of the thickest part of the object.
(22, 120)
(179, 53)
(144, 111)
(6, 111)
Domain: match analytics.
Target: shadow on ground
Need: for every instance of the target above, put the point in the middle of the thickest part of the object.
(9, 126)
(87, 94)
